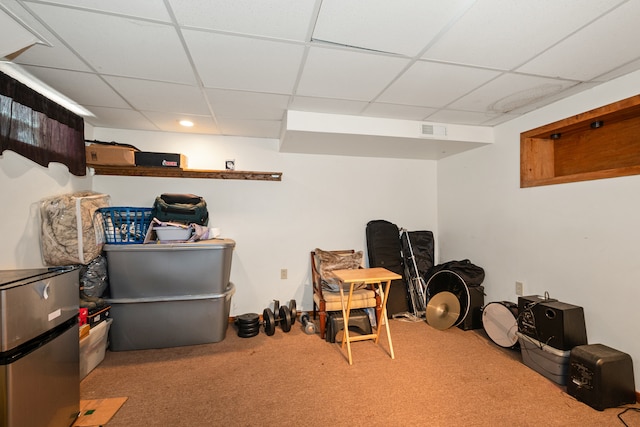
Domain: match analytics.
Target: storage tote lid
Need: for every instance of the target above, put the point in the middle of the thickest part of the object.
(527, 340)
(174, 246)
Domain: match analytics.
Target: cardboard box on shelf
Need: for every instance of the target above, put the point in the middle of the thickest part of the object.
(110, 155)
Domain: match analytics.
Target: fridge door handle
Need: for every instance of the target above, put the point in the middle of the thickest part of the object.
(43, 289)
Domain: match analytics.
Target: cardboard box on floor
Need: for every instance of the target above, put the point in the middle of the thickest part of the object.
(98, 412)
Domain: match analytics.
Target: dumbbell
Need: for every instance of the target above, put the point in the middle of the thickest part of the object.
(308, 326)
(286, 316)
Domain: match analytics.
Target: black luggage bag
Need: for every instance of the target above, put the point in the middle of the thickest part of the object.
(181, 208)
(384, 250)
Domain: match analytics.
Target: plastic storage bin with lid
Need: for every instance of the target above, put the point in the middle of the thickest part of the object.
(170, 269)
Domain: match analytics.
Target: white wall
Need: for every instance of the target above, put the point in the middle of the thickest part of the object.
(23, 184)
(322, 201)
(577, 241)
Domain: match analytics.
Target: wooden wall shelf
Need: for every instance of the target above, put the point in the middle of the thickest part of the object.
(601, 143)
(185, 173)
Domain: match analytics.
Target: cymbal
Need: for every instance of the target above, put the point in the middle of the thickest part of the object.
(443, 310)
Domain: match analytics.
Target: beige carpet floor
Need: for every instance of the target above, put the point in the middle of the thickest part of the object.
(438, 378)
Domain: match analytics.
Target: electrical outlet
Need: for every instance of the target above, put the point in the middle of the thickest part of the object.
(519, 288)
(283, 273)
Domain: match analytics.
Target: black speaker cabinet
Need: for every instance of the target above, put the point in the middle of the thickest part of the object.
(600, 376)
(553, 323)
(473, 320)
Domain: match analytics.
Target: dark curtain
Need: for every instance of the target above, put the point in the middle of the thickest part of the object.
(39, 129)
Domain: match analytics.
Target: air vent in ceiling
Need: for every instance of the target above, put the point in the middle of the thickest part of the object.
(430, 131)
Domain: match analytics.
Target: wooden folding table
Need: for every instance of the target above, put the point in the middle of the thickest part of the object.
(376, 276)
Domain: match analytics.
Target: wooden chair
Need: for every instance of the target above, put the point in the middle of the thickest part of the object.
(325, 300)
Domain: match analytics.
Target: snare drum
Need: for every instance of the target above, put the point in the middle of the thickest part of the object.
(500, 322)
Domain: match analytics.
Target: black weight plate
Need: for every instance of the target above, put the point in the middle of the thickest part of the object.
(250, 329)
(248, 335)
(285, 318)
(269, 321)
(293, 310)
(255, 324)
(250, 318)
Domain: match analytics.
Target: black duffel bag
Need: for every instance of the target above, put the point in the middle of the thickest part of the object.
(181, 208)
(472, 274)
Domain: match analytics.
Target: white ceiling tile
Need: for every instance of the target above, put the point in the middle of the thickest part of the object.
(621, 71)
(121, 46)
(504, 34)
(400, 26)
(347, 74)
(119, 118)
(169, 122)
(327, 105)
(461, 117)
(430, 84)
(249, 105)
(13, 36)
(159, 96)
(510, 92)
(84, 88)
(243, 63)
(397, 111)
(283, 19)
(502, 118)
(594, 50)
(56, 56)
(150, 9)
(257, 128)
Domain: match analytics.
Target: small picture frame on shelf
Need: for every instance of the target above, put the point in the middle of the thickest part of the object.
(230, 164)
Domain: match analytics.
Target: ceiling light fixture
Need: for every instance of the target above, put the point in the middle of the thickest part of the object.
(20, 74)
(186, 123)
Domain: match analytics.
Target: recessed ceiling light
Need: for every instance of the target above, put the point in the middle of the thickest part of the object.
(186, 123)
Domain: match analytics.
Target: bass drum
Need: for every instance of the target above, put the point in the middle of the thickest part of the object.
(449, 281)
(500, 322)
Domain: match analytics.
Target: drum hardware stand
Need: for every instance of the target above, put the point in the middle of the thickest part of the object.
(416, 287)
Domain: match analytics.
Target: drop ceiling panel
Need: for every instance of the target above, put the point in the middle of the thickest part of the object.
(150, 9)
(84, 88)
(499, 95)
(594, 50)
(170, 122)
(13, 36)
(504, 34)
(430, 84)
(620, 71)
(249, 105)
(56, 56)
(159, 96)
(125, 119)
(347, 74)
(462, 117)
(121, 46)
(257, 128)
(397, 111)
(243, 63)
(51, 53)
(282, 19)
(327, 105)
(401, 26)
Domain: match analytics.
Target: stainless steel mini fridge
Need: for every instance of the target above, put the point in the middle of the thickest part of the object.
(39, 347)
